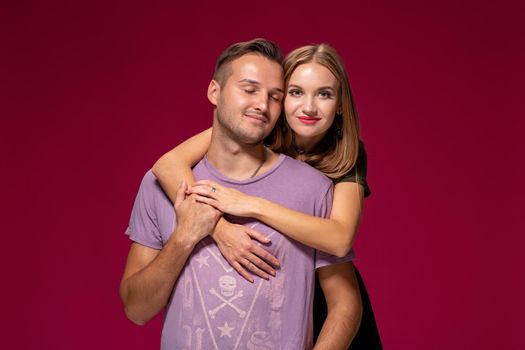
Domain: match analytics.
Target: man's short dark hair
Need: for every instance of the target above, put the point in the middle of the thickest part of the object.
(263, 47)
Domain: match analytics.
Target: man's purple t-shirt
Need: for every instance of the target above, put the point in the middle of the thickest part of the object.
(212, 307)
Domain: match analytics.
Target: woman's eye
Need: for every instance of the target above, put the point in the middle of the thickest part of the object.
(294, 92)
(325, 94)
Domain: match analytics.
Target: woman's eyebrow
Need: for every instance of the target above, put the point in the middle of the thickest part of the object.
(321, 88)
(326, 88)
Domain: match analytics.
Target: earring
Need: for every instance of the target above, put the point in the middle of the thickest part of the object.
(338, 125)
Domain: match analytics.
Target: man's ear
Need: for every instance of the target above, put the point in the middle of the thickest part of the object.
(214, 90)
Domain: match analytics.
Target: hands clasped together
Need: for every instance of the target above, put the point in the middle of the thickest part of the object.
(200, 207)
(227, 200)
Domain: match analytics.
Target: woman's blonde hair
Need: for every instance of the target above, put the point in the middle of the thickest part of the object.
(337, 152)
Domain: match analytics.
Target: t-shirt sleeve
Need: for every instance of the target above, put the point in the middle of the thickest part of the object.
(324, 259)
(143, 225)
(358, 172)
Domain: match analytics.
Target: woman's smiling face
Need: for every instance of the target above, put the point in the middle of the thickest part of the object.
(311, 103)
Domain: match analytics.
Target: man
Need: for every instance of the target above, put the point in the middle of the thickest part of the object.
(174, 265)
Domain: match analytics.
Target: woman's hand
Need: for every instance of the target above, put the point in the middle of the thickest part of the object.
(236, 246)
(225, 199)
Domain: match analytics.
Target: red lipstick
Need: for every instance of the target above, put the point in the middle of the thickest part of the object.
(308, 120)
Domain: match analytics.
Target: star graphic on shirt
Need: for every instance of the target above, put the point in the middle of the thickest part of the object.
(226, 330)
(202, 260)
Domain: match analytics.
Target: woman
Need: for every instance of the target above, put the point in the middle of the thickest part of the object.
(320, 128)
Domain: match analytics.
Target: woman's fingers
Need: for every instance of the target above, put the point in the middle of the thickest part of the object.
(261, 252)
(229, 200)
(254, 267)
(238, 246)
(266, 257)
(257, 235)
(256, 260)
(262, 265)
(251, 262)
(205, 183)
(241, 271)
(206, 200)
(203, 191)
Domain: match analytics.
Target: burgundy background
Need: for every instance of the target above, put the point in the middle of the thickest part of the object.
(93, 92)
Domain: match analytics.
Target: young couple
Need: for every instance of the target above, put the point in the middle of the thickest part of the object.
(254, 211)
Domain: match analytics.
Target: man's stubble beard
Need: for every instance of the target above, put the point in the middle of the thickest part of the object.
(236, 132)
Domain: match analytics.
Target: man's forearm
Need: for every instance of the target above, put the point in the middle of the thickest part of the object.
(345, 308)
(146, 292)
(339, 329)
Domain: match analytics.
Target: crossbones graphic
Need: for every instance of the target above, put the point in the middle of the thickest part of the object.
(225, 302)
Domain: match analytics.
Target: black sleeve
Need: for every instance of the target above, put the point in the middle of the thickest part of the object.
(358, 172)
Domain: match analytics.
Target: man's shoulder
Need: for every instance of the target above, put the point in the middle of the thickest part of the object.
(150, 187)
(149, 180)
(304, 171)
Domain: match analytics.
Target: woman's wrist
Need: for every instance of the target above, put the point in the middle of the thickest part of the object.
(219, 227)
(257, 208)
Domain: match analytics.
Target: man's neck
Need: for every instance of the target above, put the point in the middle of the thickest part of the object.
(236, 160)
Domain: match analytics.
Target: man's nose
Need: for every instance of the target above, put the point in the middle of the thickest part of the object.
(262, 103)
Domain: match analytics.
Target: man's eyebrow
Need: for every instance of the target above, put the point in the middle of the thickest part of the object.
(250, 81)
(255, 82)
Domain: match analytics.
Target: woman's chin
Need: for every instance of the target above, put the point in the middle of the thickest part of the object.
(307, 140)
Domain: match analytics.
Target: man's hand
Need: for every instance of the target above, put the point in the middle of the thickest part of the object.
(194, 220)
(150, 274)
